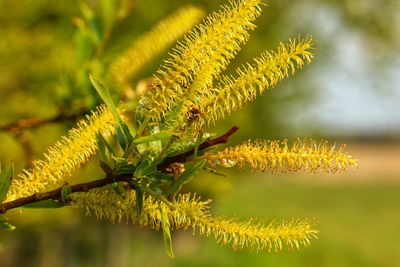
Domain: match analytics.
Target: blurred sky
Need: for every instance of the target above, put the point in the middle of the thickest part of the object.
(355, 97)
(359, 90)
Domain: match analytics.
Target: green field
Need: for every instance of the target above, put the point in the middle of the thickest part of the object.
(358, 227)
(358, 223)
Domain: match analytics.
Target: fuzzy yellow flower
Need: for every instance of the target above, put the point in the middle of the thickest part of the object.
(279, 156)
(190, 212)
(253, 79)
(65, 156)
(151, 44)
(200, 57)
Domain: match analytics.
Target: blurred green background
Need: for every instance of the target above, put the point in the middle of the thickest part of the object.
(350, 94)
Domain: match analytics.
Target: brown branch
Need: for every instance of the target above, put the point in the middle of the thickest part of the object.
(84, 187)
(56, 193)
(17, 126)
(206, 144)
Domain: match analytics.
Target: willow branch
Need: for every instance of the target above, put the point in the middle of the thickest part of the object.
(30, 123)
(56, 193)
(84, 187)
(206, 144)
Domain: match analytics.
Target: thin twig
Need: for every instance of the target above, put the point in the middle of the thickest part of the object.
(206, 144)
(56, 193)
(84, 187)
(30, 123)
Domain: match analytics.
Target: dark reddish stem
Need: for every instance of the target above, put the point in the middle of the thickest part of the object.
(206, 144)
(56, 193)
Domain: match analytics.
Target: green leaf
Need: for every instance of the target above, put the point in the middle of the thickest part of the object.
(145, 168)
(126, 169)
(65, 192)
(106, 167)
(44, 204)
(139, 202)
(5, 225)
(6, 177)
(154, 137)
(166, 234)
(106, 97)
(186, 143)
(103, 142)
(126, 131)
(102, 147)
(187, 176)
(162, 178)
(122, 140)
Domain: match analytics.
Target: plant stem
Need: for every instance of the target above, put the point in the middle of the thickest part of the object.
(84, 187)
(17, 126)
(56, 193)
(206, 144)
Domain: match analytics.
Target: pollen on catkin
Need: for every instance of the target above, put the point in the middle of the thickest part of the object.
(190, 212)
(153, 43)
(65, 156)
(265, 72)
(200, 57)
(303, 155)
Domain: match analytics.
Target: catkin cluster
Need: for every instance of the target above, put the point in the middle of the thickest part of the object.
(200, 57)
(303, 155)
(190, 212)
(65, 156)
(253, 79)
(153, 43)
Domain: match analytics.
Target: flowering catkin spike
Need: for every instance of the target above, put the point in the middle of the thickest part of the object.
(65, 156)
(203, 54)
(278, 156)
(190, 212)
(266, 71)
(153, 43)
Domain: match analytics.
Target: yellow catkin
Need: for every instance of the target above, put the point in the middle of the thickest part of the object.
(153, 43)
(191, 213)
(203, 54)
(253, 79)
(279, 156)
(65, 156)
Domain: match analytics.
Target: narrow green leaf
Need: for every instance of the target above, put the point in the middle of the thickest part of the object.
(102, 147)
(6, 177)
(186, 143)
(139, 202)
(106, 97)
(124, 135)
(122, 140)
(65, 192)
(44, 204)
(162, 178)
(145, 168)
(187, 176)
(106, 167)
(155, 137)
(103, 142)
(126, 169)
(166, 234)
